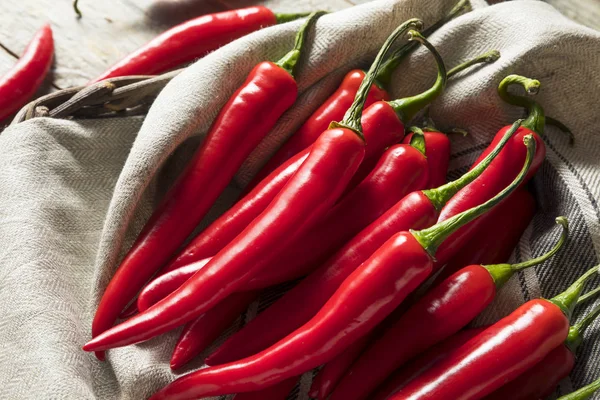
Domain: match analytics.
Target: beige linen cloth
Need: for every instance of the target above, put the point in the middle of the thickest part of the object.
(74, 194)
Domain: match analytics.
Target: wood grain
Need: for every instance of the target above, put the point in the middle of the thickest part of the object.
(109, 29)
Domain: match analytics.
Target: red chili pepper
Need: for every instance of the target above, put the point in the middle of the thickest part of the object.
(438, 146)
(489, 244)
(438, 155)
(502, 171)
(382, 127)
(250, 113)
(24, 79)
(370, 293)
(331, 373)
(202, 331)
(194, 39)
(279, 391)
(443, 311)
(334, 107)
(225, 228)
(500, 353)
(584, 393)
(415, 211)
(316, 186)
(401, 170)
(425, 361)
(541, 380)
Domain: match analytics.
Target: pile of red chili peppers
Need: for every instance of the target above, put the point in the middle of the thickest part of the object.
(356, 208)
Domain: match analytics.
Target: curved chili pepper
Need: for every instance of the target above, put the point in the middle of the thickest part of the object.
(194, 39)
(504, 168)
(202, 331)
(489, 244)
(334, 107)
(437, 144)
(24, 79)
(422, 363)
(415, 211)
(500, 353)
(541, 380)
(306, 197)
(584, 393)
(401, 170)
(443, 311)
(370, 293)
(279, 391)
(250, 113)
(438, 155)
(382, 127)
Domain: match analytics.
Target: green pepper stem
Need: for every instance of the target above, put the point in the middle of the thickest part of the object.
(501, 273)
(290, 60)
(589, 295)
(487, 58)
(431, 238)
(562, 127)
(354, 113)
(535, 120)
(76, 8)
(408, 107)
(440, 196)
(567, 300)
(288, 17)
(576, 332)
(384, 76)
(418, 139)
(584, 393)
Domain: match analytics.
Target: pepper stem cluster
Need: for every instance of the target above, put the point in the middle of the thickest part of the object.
(384, 76)
(567, 300)
(431, 238)
(440, 196)
(353, 115)
(408, 107)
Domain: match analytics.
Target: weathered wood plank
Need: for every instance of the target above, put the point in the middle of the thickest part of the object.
(284, 6)
(85, 47)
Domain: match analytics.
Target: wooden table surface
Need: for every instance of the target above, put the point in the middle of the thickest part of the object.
(110, 29)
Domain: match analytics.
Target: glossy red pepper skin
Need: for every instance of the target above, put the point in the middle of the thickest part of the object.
(438, 150)
(279, 391)
(166, 284)
(306, 197)
(443, 311)
(225, 228)
(21, 82)
(332, 372)
(497, 355)
(490, 245)
(402, 169)
(245, 119)
(191, 40)
(301, 303)
(369, 294)
(332, 109)
(425, 361)
(381, 128)
(500, 173)
(201, 332)
(541, 380)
